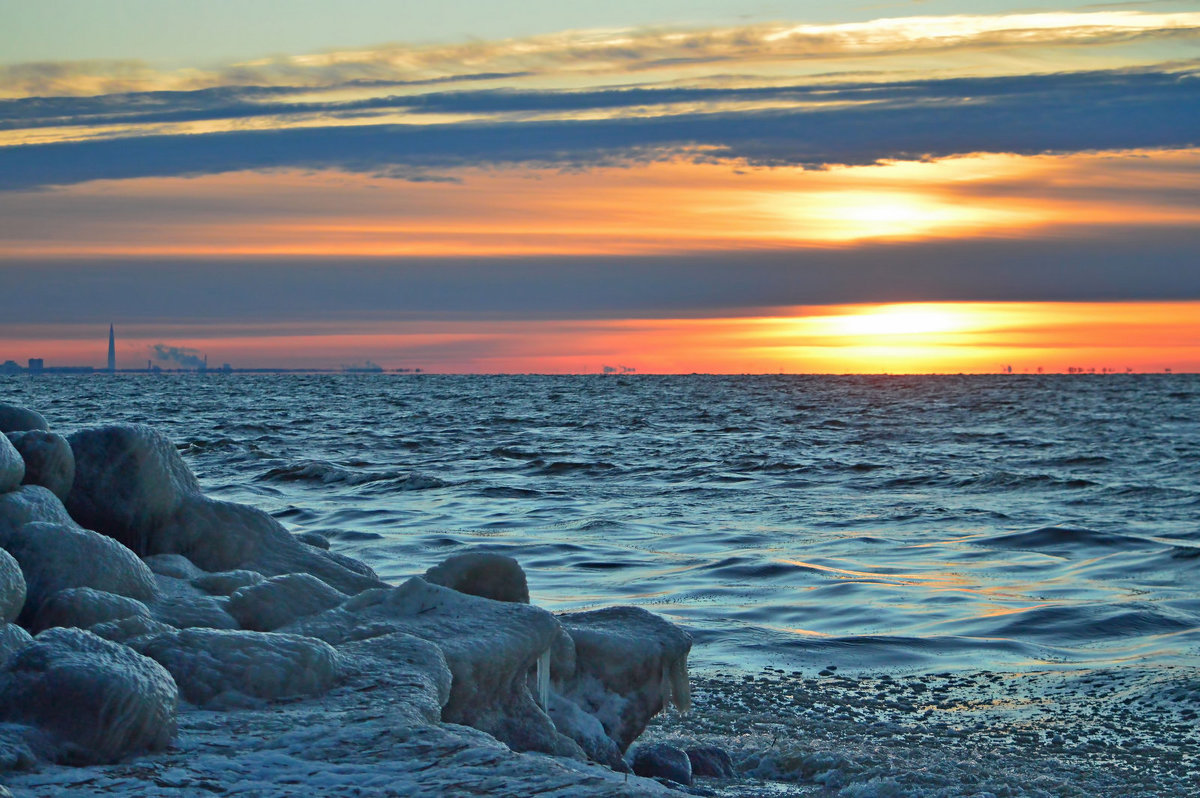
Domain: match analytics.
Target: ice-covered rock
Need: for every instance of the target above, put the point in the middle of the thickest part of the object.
(175, 566)
(313, 539)
(224, 583)
(131, 484)
(100, 700)
(48, 459)
(662, 761)
(712, 761)
(54, 557)
(123, 630)
(405, 663)
(187, 612)
(484, 574)
(31, 503)
(227, 667)
(278, 601)
(12, 588)
(630, 665)
(17, 419)
(586, 730)
(12, 467)
(83, 607)
(489, 646)
(12, 638)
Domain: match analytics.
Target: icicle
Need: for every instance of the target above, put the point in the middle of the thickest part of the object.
(543, 679)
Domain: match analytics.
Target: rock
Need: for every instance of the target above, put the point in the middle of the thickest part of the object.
(175, 566)
(31, 503)
(587, 732)
(125, 629)
(662, 761)
(711, 761)
(187, 612)
(629, 665)
(101, 701)
(131, 484)
(278, 601)
(129, 480)
(315, 539)
(12, 588)
(402, 662)
(489, 646)
(12, 639)
(226, 667)
(84, 607)
(225, 583)
(12, 467)
(17, 419)
(49, 461)
(54, 557)
(484, 574)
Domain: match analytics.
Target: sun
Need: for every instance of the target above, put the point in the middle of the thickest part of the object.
(886, 321)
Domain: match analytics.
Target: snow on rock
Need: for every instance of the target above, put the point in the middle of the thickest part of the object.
(84, 607)
(630, 664)
(48, 459)
(484, 574)
(18, 419)
(12, 467)
(224, 583)
(131, 484)
(54, 557)
(12, 588)
(214, 666)
(490, 647)
(12, 638)
(278, 601)
(98, 700)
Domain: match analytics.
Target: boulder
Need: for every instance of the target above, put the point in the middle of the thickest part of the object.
(17, 419)
(31, 503)
(490, 647)
(400, 662)
(99, 700)
(484, 574)
(12, 588)
(712, 761)
(84, 607)
(187, 612)
(175, 566)
(123, 630)
(131, 484)
(278, 601)
(12, 467)
(662, 761)
(629, 665)
(224, 583)
(219, 667)
(49, 461)
(54, 557)
(12, 639)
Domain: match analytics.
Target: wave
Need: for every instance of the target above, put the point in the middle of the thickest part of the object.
(1059, 537)
(326, 473)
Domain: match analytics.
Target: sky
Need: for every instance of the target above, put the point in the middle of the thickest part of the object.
(660, 186)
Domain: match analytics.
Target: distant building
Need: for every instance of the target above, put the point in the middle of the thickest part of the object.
(10, 367)
(36, 364)
(112, 349)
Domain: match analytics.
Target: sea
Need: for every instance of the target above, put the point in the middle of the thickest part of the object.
(1020, 544)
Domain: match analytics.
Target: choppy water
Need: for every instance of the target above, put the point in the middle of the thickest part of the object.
(876, 522)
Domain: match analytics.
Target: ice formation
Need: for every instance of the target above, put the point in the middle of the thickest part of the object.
(95, 700)
(176, 594)
(48, 460)
(19, 419)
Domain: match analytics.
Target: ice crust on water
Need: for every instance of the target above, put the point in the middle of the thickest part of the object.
(437, 667)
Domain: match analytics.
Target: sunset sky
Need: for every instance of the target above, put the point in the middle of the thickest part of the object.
(666, 185)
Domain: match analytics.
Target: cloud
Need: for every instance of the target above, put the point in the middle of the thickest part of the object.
(617, 51)
(1091, 265)
(1063, 113)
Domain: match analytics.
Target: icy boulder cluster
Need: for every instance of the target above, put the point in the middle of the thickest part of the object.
(127, 596)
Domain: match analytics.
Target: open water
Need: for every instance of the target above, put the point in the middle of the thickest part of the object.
(791, 521)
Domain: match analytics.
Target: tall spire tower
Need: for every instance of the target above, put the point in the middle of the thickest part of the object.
(112, 350)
